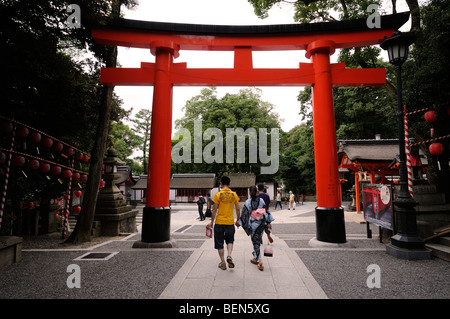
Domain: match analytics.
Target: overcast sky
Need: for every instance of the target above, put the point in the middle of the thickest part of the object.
(229, 12)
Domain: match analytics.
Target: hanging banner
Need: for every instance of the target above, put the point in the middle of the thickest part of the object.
(377, 200)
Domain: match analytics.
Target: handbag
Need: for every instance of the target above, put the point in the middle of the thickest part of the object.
(268, 251)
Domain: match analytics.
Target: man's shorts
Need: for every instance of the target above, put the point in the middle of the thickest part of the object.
(221, 233)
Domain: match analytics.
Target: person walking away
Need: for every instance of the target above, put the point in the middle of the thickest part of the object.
(262, 194)
(291, 201)
(201, 200)
(278, 200)
(209, 204)
(222, 217)
(254, 220)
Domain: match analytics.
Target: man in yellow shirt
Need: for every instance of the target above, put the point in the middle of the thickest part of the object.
(226, 201)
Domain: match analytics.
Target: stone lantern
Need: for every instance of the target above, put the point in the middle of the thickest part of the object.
(111, 211)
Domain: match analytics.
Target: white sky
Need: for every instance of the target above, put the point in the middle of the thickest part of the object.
(230, 12)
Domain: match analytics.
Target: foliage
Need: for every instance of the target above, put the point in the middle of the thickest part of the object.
(142, 127)
(425, 82)
(243, 110)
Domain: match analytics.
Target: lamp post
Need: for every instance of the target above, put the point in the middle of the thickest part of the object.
(405, 244)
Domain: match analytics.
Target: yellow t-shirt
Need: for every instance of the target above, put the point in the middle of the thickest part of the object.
(225, 200)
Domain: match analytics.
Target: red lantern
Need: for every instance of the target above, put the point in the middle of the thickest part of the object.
(77, 209)
(2, 157)
(67, 173)
(79, 156)
(102, 183)
(30, 205)
(19, 161)
(76, 177)
(70, 151)
(45, 168)
(58, 147)
(36, 137)
(84, 178)
(22, 132)
(436, 149)
(47, 142)
(33, 164)
(430, 116)
(85, 158)
(7, 127)
(56, 170)
(78, 193)
(67, 197)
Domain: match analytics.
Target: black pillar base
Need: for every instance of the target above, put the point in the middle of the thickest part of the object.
(330, 225)
(155, 224)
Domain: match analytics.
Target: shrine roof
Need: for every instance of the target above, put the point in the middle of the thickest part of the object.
(369, 150)
(392, 21)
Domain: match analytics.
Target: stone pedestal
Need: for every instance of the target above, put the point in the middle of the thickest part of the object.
(112, 211)
(10, 250)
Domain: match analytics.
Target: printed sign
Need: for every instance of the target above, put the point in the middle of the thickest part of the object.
(377, 200)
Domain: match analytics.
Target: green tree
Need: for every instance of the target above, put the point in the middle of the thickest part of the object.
(142, 127)
(125, 142)
(425, 78)
(244, 110)
(297, 169)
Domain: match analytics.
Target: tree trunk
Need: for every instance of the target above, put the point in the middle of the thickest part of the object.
(82, 231)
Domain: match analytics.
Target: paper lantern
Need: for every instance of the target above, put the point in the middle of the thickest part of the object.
(77, 193)
(430, 116)
(57, 147)
(76, 177)
(19, 161)
(77, 209)
(30, 205)
(33, 164)
(45, 168)
(7, 126)
(69, 151)
(436, 149)
(56, 170)
(102, 183)
(84, 178)
(36, 137)
(47, 142)
(67, 173)
(79, 156)
(22, 132)
(2, 157)
(85, 158)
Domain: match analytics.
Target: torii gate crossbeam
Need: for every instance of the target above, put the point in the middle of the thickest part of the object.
(319, 40)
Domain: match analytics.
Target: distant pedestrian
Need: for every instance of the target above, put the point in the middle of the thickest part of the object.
(201, 200)
(278, 200)
(209, 204)
(222, 217)
(291, 201)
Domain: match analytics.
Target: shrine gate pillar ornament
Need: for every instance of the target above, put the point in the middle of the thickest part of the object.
(330, 222)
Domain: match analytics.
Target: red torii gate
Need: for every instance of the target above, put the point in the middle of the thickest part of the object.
(320, 40)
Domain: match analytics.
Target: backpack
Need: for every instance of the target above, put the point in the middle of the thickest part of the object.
(201, 200)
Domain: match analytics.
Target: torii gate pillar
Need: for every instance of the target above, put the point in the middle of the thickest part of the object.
(156, 213)
(330, 223)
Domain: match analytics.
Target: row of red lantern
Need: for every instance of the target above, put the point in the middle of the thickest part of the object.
(45, 168)
(431, 117)
(46, 142)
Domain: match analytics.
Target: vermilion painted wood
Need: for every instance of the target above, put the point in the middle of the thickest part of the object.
(165, 41)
